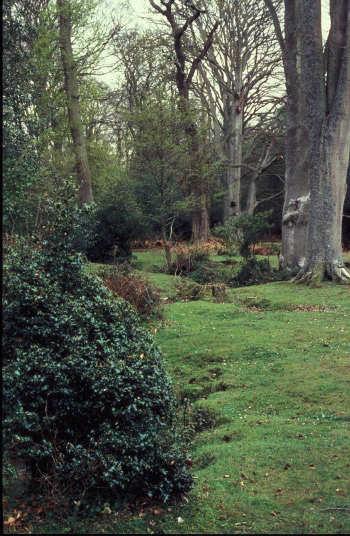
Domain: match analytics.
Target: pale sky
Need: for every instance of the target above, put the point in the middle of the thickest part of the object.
(137, 13)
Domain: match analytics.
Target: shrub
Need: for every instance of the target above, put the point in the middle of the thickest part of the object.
(253, 272)
(203, 419)
(241, 233)
(188, 259)
(117, 224)
(136, 290)
(87, 403)
(188, 290)
(212, 272)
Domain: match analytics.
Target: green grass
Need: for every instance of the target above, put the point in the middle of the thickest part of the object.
(278, 460)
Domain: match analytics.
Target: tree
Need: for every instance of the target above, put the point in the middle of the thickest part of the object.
(239, 83)
(73, 105)
(180, 17)
(159, 165)
(318, 137)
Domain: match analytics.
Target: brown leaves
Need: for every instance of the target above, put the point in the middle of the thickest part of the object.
(14, 519)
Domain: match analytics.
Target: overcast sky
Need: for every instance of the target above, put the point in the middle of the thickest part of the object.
(137, 13)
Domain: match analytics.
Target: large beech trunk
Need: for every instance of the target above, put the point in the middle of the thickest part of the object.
(73, 105)
(328, 189)
(297, 198)
(318, 137)
(329, 132)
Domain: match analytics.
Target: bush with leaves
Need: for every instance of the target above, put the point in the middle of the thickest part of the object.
(119, 221)
(241, 233)
(188, 259)
(189, 290)
(87, 403)
(212, 272)
(253, 272)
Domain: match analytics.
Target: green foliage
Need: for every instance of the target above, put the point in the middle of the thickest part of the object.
(117, 223)
(240, 233)
(212, 272)
(88, 405)
(252, 272)
(160, 162)
(188, 290)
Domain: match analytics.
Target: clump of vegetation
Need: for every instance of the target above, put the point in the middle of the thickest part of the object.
(187, 259)
(88, 405)
(203, 419)
(212, 272)
(117, 223)
(241, 233)
(254, 302)
(253, 272)
(189, 290)
(253, 353)
(136, 290)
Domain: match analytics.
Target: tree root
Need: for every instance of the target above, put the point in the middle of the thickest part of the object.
(313, 275)
(340, 274)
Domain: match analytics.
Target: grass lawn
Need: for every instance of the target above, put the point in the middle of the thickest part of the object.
(273, 366)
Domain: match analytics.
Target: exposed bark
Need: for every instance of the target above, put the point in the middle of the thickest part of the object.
(330, 109)
(233, 151)
(297, 147)
(318, 137)
(73, 106)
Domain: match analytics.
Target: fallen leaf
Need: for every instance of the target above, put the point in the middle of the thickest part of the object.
(10, 521)
(157, 512)
(180, 520)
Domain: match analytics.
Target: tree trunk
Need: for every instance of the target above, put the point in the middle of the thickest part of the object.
(330, 141)
(73, 105)
(233, 138)
(200, 219)
(328, 191)
(297, 191)
(251, 200)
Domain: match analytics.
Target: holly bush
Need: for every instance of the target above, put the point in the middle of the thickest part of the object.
(88, 405)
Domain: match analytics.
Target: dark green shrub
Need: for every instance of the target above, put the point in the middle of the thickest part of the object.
(96, 428)
(87, 403)
(253, 272)
(212, 272)
(241, 233)
(118, 223)
(188, 290)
